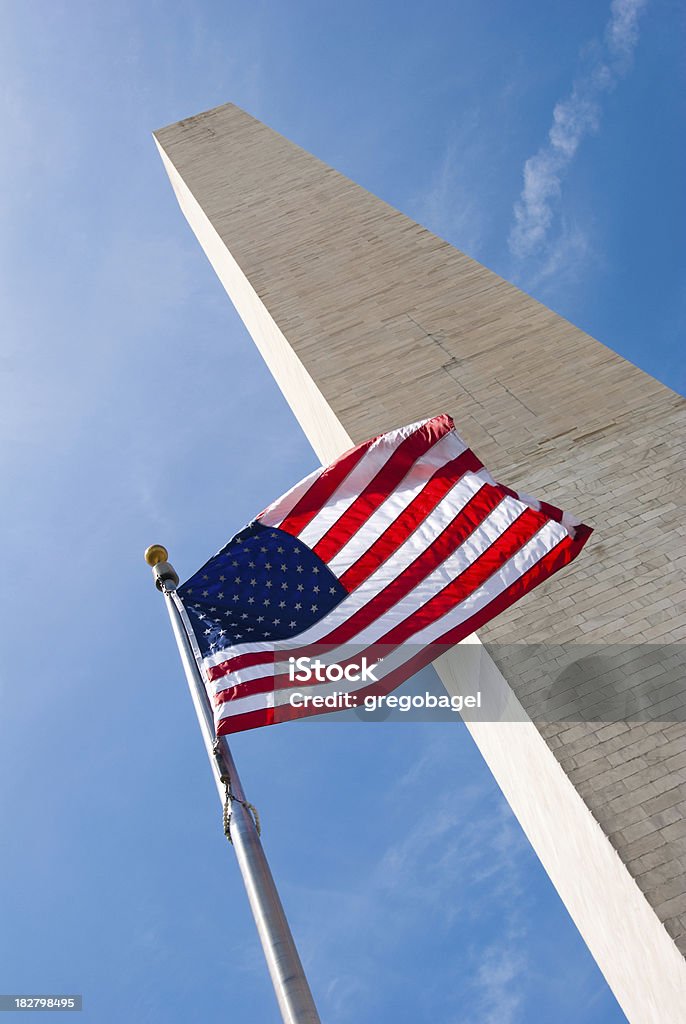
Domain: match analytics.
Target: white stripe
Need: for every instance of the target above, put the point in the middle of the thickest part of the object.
(448, 447)
(532, 552)
(275, 513)
(349, 490)
(421, 538)
(533, 503)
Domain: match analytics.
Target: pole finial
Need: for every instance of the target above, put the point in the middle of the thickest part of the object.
(156, 553)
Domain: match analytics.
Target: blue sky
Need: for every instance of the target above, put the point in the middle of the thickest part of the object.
(412, 891)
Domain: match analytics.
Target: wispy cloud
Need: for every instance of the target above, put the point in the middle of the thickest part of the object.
(453, 202)
(604, 63)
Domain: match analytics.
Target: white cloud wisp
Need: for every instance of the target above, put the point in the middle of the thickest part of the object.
(573, 118)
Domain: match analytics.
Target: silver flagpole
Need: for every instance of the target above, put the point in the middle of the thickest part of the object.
(288, 978)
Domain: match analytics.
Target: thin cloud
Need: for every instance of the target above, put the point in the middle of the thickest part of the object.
(573, 118)
(464, 845)
(452, 203)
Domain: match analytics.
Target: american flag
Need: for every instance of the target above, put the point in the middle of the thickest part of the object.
(405, 544)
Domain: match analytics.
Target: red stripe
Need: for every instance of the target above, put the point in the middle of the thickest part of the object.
(397, 532)
(549, 510)
(382, 485)
(249, 720)
(307, 507)
(262, 684)
(240, 661)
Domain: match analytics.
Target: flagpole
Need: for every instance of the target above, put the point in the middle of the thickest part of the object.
(288, 978)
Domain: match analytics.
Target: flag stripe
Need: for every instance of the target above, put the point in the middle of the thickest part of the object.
(326, 483)
(368, 498)
(384, 544)
(275, 513)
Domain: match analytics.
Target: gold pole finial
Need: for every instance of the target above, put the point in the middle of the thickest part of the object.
(156, 553)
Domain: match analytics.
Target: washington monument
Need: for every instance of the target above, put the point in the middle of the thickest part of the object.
(368, 321)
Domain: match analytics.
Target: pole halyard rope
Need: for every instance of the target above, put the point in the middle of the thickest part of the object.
(230, 797)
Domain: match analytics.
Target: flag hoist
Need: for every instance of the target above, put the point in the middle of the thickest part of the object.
(241, 823)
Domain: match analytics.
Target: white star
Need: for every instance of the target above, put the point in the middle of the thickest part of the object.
(267, 565)
(276, 621)
(251, 600)
(332, 590)
(206, 577)
(315, 570)
(235, 597)
(316, 590)
(260, 618)
(268, 583)
(282, 604)
(292, 624)
(237, 580)
(284, 586)
(222, 579)
(205, 593)
(300, 586)
(313, 608)
(221, 596)
(298, 568)
(266, 602)
(244, 615)
(263, 550)
(251, 565)
(298, 606)
(280, 550)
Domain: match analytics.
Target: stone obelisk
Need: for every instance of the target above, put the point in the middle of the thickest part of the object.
(368, 321)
